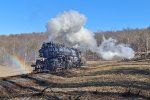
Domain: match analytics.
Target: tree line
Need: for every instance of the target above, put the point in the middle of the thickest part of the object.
(26, 45)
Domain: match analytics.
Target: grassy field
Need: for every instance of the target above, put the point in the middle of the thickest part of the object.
(99, 80)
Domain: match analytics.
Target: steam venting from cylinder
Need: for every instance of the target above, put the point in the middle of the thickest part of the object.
(70, 26)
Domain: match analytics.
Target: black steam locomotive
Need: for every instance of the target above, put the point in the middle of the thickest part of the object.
(53, 56)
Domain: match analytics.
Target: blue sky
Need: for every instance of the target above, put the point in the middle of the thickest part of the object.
(26, 16)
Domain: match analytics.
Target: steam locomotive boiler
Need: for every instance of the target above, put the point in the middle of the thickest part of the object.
(54, 56)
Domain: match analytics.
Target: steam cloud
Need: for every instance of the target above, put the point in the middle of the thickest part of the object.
(70, 26)
(110, 49)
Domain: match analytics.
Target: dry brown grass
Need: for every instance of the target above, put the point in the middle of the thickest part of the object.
(98, 80)
(6, 70)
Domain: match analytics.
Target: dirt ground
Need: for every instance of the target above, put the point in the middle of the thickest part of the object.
(11, 71)
(99, 80)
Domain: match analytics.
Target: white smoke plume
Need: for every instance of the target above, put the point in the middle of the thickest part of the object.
(70, 26)
(109, 49)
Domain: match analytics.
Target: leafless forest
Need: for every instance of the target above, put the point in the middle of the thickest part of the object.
(26, 45)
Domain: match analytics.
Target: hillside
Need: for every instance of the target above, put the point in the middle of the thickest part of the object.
(98, 80)
(26, 46)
